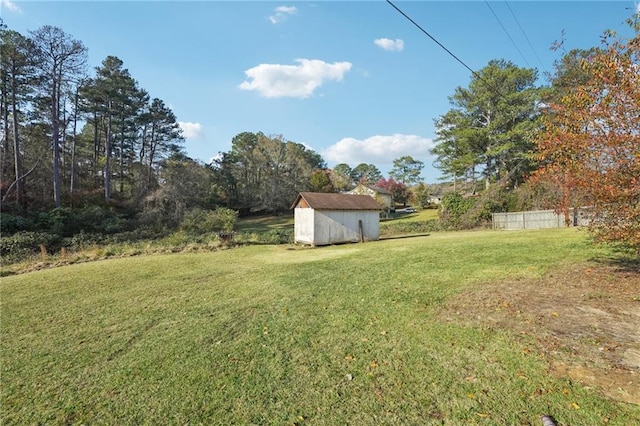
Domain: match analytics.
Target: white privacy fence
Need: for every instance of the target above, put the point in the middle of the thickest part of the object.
(536, 219)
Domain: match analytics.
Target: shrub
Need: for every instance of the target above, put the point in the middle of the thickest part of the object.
(63, 221)
(452, 208)
(417, 227)
(22, 245)
(83, 240)
(10, 224)
(199, 221)
(100, 220)
(277, 236)
(39, 221)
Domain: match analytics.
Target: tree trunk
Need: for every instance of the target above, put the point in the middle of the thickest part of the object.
(474, 179)
(566, 200)
(487, 179)
(55, 141)
(96, 145)
(5, 140)
(121, 159)
(107, 158)
(152, 149)
(72, 182)
(17, 155)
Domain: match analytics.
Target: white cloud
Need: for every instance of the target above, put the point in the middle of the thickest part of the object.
(191, 130)
(638, 7)
(396, 45)
(379, 149)
(282, 12)
(296, 81)
(10, 6)
(291, 10)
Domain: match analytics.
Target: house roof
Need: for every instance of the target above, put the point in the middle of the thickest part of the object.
(372, 188)
(380, 190)
(332, 201)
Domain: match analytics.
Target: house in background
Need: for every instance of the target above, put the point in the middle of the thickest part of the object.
(329, 218)
(382, 196)
(435, 200)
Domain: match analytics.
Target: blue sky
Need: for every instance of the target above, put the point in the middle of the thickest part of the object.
(355, 81)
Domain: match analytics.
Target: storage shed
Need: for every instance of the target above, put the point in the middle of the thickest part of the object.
(321, 218)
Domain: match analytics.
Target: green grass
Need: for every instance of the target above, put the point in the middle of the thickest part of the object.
(346, 334)
(264, 223)
(418, 216)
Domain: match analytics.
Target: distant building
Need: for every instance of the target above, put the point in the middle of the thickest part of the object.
(322, 219)
(433, 199)
(381, 195)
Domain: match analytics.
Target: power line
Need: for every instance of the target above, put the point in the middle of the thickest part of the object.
(506, 32)
(478, 76)
(525, 35)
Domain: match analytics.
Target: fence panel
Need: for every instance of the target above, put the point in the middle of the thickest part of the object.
(532, 220)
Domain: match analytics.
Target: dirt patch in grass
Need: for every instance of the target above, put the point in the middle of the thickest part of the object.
(585, 320)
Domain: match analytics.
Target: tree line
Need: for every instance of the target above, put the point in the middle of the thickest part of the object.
(574, 143)
(73, 139)
(69, 135)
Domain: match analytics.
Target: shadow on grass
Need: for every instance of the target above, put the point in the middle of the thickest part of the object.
(623, 260)
(399, 237)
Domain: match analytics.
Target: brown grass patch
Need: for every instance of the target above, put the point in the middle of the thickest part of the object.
(585, 320)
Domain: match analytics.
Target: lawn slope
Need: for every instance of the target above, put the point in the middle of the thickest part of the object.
(277, 335)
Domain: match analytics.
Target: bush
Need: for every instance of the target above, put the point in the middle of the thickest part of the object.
(452, 209)
(64, 221)
(10, 224)
(23, 245)
(273, 236)
(39, 221)
(83, 240)
(277, 236)
(199, 221)
(98, 219)
(417, 227)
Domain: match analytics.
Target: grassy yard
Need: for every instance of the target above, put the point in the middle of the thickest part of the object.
(265, 223)
(419, 215)
(349, 334)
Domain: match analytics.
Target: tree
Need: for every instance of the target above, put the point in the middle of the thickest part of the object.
(320, 181)
(187, 185)
(162, 136)
(398, 190)
(114, 100)
(569, 72)
(365, 173)
(591, 139)
(286, 170)
(264, 173)
(17, 77)
(488, 130)
(341, 177)
(407, 170)
(62, 61)
(422, 195)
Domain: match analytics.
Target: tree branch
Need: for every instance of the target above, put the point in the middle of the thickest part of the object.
(13, 184)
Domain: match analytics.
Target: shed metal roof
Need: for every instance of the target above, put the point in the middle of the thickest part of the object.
(332, 201)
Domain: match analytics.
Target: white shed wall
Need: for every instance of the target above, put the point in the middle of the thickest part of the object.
(323, 227)
(332, 227)
(303, 225)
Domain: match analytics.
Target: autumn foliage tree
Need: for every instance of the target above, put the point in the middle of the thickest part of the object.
(398, 190)
(590, 142)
